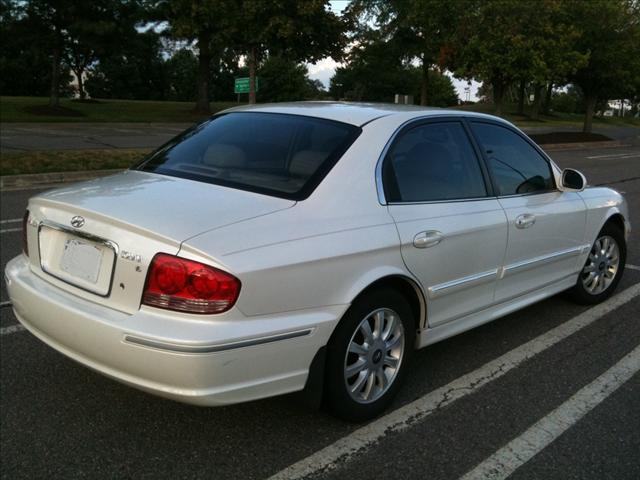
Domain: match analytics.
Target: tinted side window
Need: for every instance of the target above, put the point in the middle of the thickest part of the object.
(516, 166)
(430, 162)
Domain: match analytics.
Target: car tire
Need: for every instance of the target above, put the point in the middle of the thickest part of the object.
(366, 365)
(605, 264)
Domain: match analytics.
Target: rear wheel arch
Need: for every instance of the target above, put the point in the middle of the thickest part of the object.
(405, 286)
(409, 289)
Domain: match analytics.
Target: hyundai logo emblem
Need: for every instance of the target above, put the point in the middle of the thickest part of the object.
(77, 221)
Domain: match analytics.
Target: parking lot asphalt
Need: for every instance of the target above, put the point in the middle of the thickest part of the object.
(509, 396)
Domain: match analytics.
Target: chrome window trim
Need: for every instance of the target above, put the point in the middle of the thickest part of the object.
(453, 200)
(378, 172)
(461, 283)
(516, 195)
(93, 238)
(215, 348)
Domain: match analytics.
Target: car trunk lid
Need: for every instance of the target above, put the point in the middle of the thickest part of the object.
(125, 220)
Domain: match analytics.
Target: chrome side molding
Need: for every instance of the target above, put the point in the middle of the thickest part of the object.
(462, 283)
(543, 259)
(184, 348)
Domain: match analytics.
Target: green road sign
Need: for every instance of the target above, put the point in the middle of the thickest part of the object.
(242, 85)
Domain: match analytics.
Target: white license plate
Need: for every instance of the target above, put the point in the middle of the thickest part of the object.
(81, 259)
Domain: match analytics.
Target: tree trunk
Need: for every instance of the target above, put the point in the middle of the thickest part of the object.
(498, 93)
(521, 92)
(252, 75)
(547, 99)
(424, 86)
(204, 60)
(54, 97)
(588, 116)
(537, 98)
(79, 71)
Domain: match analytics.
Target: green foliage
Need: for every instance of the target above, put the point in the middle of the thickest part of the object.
(181, 70)
(373, 75)
(423, 31)
(569, 101)
(283, 80)
(136, 71)
(301, 31)
(510, 40)
(25, 56)
(610, 38)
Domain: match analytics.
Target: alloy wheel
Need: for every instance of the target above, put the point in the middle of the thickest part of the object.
(602, 265)
(374, 355)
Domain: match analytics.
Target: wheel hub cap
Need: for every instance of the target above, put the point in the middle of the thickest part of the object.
(377, 356)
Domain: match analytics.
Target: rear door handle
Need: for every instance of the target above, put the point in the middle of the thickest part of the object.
(525, 220)
(427, 239)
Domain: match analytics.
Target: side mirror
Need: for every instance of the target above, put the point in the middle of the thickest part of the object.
(573, 180)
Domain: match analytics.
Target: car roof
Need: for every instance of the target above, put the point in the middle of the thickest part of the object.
(355, 113)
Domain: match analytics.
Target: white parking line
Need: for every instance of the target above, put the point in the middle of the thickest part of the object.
(523, 448)
(615, 155)
(632, 267)
(5, 304)
(358, 441)
(12, 220)
(12, 329)
(7, 230)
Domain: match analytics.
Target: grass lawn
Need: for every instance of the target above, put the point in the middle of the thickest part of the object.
(555, 118)
(68, 160)
(33, 109)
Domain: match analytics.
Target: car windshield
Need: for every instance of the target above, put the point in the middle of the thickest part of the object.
(275, 154)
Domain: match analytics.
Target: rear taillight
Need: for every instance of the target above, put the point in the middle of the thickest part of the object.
(25, 223)
(175, 283)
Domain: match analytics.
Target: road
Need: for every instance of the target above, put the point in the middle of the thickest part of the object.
(547, 392)
(21, 137)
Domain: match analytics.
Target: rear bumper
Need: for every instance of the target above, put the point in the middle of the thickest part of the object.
(215, 360)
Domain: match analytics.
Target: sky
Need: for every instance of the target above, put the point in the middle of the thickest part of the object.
(325, 68)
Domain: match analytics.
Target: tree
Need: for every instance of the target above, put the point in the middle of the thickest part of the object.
(299, 31)
(518, 40)
(283, 80)
(208, 23)
(135, 71)
(182, 69)
(374, 73)
(73, 32)
(97, 27)
(52, 18)
(24, 58)
(422, 30)
(610, 36)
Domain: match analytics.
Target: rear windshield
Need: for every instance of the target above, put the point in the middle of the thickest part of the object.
(275, 154)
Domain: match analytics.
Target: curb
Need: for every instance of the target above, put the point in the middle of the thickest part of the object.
(43, 179)
(581, 145)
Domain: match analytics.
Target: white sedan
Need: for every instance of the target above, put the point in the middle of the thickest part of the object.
(308, 246)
